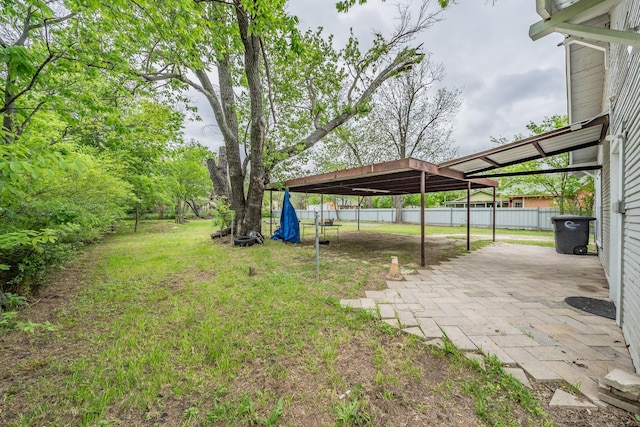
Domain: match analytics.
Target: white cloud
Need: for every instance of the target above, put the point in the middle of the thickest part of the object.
(507, 79)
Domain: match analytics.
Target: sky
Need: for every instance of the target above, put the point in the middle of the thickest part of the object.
(507, 80)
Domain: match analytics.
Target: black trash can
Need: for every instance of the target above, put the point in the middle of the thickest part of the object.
(572, 233)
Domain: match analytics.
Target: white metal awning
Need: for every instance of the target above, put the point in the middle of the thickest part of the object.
(569, 138)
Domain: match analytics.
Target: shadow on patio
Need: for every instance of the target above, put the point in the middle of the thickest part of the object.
(508, 300)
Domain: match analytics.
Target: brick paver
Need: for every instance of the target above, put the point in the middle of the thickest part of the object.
(508, 300)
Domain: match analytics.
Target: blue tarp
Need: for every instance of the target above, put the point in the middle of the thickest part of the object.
(289, 230)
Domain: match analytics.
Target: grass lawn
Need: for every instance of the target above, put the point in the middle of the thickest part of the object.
(414, 229)
(167, 327)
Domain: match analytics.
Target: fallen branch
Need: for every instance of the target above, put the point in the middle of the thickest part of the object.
(221, 233)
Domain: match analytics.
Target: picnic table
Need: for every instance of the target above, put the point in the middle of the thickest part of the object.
(323, 226)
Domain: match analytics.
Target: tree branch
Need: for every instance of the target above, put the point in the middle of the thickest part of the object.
(26, 120)
(268, 75)
(12, 99)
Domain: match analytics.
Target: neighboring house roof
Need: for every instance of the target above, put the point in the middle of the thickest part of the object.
(477, 196)
(532, 196)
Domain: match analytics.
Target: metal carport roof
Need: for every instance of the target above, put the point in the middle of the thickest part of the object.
(569, 138)
(388, 178)
(404, 176)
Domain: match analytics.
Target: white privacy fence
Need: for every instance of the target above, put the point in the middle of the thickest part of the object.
(514, 218)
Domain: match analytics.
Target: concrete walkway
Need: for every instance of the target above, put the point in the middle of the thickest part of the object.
(508, 300)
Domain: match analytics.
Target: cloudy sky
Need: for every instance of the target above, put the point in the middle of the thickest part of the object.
(506, 79)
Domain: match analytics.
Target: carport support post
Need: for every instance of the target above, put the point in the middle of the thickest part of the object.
(493, 223)
(270, 212)
(360, 200)
(321, 208)
(317, 248)
(422, 189)
(468, 215)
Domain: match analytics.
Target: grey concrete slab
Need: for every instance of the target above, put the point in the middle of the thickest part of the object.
(386, 311)
(562, 398)
(520, 375)
(459, 338)
(487, 346)
(509, 301)
(429, 327)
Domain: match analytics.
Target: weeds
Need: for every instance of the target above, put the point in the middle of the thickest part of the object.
(352, 411)
(168, 329)
(9, 319)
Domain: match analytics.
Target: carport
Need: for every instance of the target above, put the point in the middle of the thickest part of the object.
(397, 177)
(413, 176)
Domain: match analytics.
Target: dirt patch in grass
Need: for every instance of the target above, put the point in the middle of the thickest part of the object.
(366, 257)
(159, 227)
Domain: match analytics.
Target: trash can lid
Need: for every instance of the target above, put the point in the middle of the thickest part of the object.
(572, 218)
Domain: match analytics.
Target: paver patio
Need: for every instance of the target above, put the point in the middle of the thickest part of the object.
(508, 300)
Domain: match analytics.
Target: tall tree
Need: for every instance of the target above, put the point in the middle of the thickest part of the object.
(414, 120)
(187, 179)
(251, 45)
(31, 43)
(410, 119)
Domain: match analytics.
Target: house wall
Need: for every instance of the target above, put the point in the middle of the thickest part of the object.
(605, 208)
(624, 85)
(532, 202)
(538, 203)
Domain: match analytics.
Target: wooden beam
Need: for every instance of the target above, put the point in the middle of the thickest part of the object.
(546, 27)
(626, 38)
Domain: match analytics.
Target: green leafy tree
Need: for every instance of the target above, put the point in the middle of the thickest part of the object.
(32, 43)
(187, 178)
(278, 92)
(78, 137)
(570, 192)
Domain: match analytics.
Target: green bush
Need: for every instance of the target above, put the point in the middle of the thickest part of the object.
(62, 203)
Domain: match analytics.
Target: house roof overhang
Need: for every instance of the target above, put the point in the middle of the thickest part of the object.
(573, 137)
(389, 178)
(569, 17)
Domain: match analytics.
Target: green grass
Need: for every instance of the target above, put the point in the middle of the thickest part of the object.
(414, 229)
(168, 328)
(496, 393)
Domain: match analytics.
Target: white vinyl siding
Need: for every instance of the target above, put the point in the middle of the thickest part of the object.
(624, 86)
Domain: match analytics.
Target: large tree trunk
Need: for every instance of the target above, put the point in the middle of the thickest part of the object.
(250, 217)
(218, 174)
(179, 217)
(397, 204)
